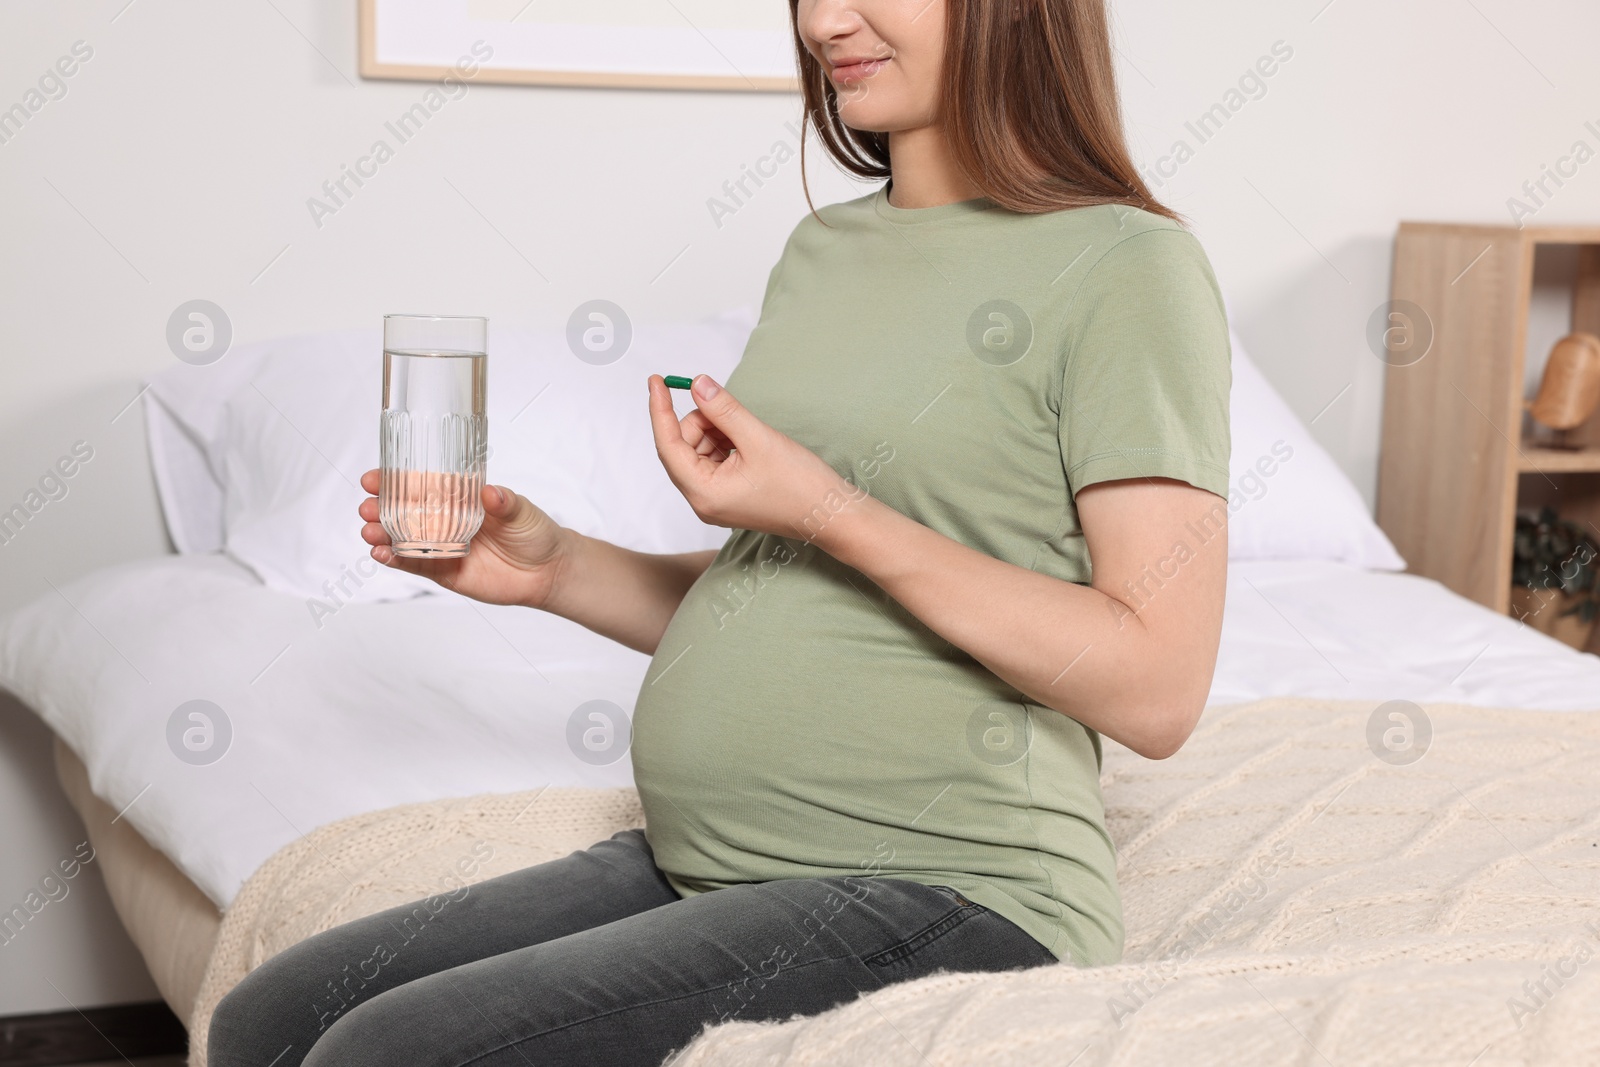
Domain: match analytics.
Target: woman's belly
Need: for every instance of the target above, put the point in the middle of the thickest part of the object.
(796, 722)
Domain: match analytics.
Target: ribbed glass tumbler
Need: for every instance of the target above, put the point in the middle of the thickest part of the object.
(434, 433)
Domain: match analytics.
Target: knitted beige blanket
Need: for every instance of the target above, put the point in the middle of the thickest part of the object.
(1298, 889)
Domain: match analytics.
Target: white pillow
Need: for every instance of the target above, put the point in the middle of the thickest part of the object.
(1288, 499)
(186, 423)
(190, 492)
(259, 454)
(276, 445)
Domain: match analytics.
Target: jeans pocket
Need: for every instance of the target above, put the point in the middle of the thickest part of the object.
(955, 896)
(962, 909)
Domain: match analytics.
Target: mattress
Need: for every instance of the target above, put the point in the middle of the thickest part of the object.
(315, 718)
(168, 919)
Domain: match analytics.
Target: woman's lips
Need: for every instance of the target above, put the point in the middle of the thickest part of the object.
(857, 71)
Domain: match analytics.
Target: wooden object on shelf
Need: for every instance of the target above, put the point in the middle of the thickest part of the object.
(1570, 390)
(1455, 465)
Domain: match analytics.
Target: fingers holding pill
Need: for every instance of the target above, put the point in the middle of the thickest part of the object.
(734, 469)
(704, 437)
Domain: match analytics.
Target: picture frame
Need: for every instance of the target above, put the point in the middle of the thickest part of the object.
(725, 45)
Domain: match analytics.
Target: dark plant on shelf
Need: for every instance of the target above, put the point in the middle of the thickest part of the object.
(1553, 553)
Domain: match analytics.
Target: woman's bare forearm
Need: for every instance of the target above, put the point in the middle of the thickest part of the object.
(618, 593)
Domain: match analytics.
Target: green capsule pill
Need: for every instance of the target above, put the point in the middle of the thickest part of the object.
(678, 381)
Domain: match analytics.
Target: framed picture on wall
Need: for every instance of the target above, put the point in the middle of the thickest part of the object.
(740, 45)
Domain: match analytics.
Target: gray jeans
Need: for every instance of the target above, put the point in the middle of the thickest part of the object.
(594, 959)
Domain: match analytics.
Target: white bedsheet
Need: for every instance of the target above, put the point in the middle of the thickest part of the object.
(386, 704)
(1327, 630)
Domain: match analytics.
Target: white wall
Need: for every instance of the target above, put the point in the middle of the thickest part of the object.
(72, 951)
(1424, 110)
(179, 164)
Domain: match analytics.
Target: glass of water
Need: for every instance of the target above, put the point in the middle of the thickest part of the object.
(434, 433)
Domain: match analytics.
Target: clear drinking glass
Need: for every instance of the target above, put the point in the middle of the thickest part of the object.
(434, 433)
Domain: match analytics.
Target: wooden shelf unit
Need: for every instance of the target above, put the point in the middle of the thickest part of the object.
(1457, 464)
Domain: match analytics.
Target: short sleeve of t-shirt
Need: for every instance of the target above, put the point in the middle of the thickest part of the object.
(1147, 367)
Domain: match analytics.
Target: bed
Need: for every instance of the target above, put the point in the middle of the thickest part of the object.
(327, 692)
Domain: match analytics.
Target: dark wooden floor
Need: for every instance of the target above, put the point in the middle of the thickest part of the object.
(147, 1034)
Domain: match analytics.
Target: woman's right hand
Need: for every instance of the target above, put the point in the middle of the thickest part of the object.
(515, 557)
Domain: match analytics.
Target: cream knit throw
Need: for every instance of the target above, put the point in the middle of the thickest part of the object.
(1290, 899)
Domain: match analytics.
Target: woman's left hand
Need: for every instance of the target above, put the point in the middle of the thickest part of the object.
(738, 472)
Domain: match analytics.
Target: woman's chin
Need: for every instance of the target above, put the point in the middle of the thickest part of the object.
(869, 120)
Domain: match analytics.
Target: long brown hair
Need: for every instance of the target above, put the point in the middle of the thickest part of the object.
(1029, 105)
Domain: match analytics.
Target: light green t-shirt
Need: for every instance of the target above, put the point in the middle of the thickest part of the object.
(972, 368)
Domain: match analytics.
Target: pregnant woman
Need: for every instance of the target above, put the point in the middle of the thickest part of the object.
(868, 742)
